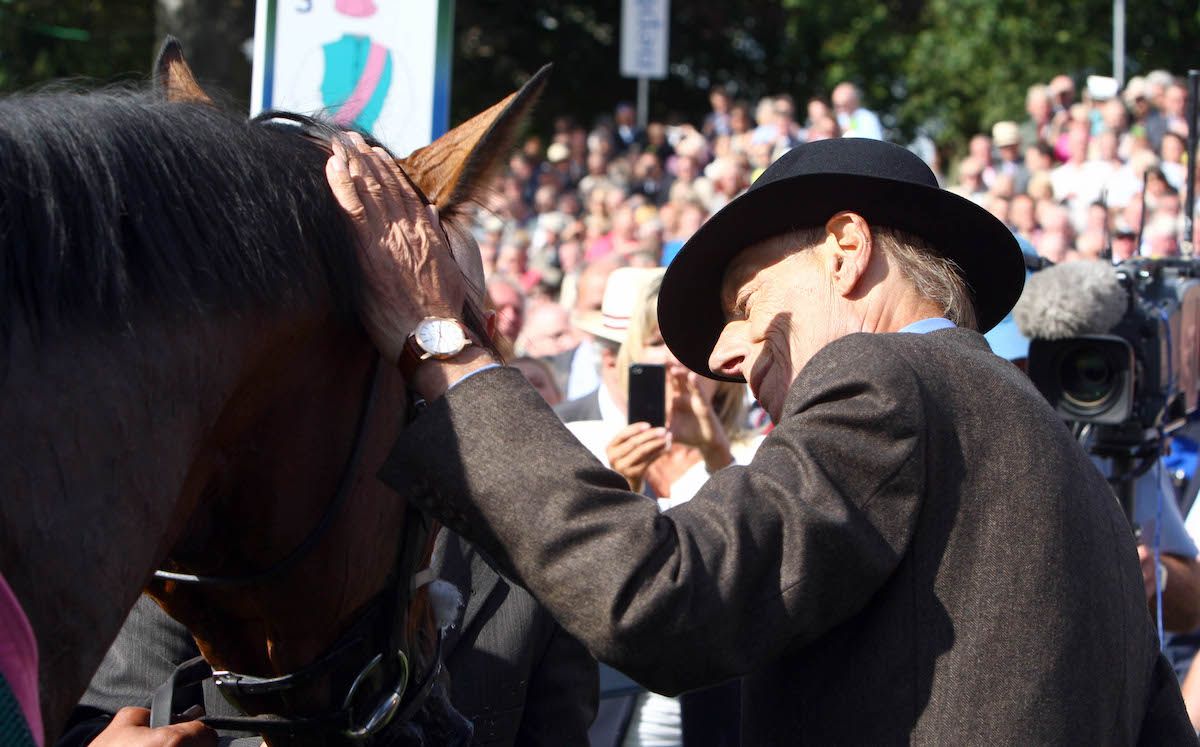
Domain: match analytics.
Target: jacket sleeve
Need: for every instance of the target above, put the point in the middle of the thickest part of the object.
(765, 558)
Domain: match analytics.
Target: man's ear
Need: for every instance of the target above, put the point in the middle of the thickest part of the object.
(489, 320)
(850, 252)
(608, 356)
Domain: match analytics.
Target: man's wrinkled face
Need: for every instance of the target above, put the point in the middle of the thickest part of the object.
(779, 310)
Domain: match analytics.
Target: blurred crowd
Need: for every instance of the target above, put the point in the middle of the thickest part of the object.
(1089, 171)
(1092, 171)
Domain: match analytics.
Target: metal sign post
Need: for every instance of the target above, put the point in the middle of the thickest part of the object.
(1119, 42)
(1186, 246)
(645, 27)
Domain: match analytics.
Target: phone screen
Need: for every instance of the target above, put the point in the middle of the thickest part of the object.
(648, 394)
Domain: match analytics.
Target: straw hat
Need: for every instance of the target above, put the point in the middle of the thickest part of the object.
(557, 153)
(1005, 134)
(623, 293)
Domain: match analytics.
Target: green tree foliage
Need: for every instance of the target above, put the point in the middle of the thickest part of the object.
(42, 40)
(945, 68)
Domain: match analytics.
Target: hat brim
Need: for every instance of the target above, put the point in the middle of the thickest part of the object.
(592, 322)
(689, 310)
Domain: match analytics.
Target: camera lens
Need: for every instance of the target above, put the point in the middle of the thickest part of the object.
(1087, 377)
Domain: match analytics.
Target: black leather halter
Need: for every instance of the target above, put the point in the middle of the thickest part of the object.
(376, 677)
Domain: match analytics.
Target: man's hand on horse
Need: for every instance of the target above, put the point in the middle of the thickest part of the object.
(131, 726)
(408, 269)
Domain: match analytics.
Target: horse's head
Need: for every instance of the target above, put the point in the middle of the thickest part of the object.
(304, 559)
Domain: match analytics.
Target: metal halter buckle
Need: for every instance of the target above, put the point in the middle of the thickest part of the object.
(388, 704)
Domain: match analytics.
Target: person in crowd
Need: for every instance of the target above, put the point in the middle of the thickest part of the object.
(1161, 236)
(854, 119)
(583, 368)
(627, 135)
(605, 322)
(1126, 184)
(1174, 108)
(980, 148)
(1072, 181)
(707, 427)
(547, 332)
(1062, 92)
(1023, 218)
(717, 122)
(822, 129)
(507, 299)
(832, 572)
(741, 126)
(1105, 159)
(970, 180)
(541, 376)
(1040, 107)
(691, 216)
(789, 133)
(650, 179)
(1124, 242)
(1006, 136)
(816, 110)
(706, 419)
(1171, 151)
(558, 165)
(729, 177)
(998, 206)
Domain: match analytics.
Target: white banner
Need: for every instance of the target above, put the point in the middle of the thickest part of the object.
(644, 33)
(381, 66)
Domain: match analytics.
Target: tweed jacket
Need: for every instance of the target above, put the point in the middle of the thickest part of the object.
(919, 552)
(514, 673)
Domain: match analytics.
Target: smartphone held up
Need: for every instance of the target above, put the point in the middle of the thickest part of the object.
(648, 394)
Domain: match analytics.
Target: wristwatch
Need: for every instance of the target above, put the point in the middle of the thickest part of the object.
(434, 337)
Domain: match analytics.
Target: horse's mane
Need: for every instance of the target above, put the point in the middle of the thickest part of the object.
(116, 205)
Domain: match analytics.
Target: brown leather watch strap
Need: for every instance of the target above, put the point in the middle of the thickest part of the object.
(410, 357)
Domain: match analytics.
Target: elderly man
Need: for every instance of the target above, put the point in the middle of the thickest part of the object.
(919, 552)
(852, 117)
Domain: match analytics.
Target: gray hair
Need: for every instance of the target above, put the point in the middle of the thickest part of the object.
(934, 276)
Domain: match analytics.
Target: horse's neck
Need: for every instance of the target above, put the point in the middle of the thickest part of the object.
(100, 431)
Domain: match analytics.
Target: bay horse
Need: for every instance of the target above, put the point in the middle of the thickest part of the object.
(185, 385)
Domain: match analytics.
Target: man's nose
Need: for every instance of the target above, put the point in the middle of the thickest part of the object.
(728, 354)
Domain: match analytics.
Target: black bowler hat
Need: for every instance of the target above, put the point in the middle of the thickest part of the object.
(884, 183)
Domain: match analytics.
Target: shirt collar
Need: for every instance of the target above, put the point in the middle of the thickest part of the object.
(931, 324)
(610, 412)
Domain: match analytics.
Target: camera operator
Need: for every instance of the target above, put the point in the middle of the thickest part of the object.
(1177, 552)
(1054, 291)
(1090, 323)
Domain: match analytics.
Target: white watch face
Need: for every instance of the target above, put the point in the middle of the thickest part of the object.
(440, 336)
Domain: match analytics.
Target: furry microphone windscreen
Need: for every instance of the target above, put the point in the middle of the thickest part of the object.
(1071, 299)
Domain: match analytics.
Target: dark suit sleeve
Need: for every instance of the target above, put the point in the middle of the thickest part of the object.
(146, 652)
(563, 693)
(764, 558)
(147, 649)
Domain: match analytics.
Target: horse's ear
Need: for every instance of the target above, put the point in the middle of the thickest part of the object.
(451, 169)
(174, 78)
